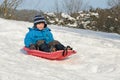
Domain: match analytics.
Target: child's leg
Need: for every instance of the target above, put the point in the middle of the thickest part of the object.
(44, 47)
(59, 46)
(56, 44)
(41, 45)
(38, 43)
(53, 43)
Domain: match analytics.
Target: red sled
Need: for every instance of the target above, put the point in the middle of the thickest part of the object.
(58, 55)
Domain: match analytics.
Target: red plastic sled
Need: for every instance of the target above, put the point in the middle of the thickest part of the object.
(49, 55)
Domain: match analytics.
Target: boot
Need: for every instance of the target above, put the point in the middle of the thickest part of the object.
(69, 48)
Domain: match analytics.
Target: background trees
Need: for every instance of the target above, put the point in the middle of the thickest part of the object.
(7, 7)
(72, 6)
(114, 3)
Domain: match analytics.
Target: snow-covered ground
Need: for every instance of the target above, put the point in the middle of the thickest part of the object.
(97, 58)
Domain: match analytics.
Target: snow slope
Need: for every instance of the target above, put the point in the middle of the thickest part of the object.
(97, 58)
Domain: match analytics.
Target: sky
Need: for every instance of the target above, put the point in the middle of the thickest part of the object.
(48, 5)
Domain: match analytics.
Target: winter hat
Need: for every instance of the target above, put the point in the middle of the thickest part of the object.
(39, 19)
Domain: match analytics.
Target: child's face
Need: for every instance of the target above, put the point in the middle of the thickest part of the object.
(40, 26)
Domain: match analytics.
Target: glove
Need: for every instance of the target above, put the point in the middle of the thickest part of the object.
(32, 47)
(40, 42)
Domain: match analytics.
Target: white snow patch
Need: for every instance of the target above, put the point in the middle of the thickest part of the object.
(97, 58)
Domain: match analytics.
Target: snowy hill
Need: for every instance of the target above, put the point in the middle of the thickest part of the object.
(97, 58)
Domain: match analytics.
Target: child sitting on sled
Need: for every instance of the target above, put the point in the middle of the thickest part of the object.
(40, 37)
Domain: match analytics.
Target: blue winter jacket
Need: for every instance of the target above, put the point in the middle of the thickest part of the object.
(35, 34)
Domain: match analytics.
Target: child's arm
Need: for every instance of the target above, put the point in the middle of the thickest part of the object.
(49, 37)
(28, 39)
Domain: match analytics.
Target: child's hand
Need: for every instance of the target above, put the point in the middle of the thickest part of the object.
(40, 42)
(32, 46)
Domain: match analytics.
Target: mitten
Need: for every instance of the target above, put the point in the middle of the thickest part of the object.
(32, 46)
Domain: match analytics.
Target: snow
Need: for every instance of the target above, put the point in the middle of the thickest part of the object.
(67, 16)
(97, 58)
(95, 14)
(52, 21)
(50, 14)
(74, 24)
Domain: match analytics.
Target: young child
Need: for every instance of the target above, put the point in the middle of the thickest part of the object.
(40, 37)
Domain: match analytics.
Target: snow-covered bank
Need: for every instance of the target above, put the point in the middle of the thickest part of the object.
(97, 58)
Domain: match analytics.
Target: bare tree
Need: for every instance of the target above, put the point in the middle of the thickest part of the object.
(57, 7)
(8, 6)
(114, 3)
(72, 6)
